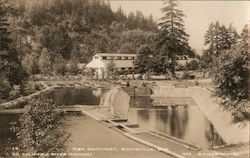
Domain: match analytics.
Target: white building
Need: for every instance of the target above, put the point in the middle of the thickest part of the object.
(121, 62)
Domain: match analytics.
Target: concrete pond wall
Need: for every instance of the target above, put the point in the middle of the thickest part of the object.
(21, 101)
(232, 133)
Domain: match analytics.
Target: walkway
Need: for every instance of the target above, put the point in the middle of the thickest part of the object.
(136, 133)
(91, 137)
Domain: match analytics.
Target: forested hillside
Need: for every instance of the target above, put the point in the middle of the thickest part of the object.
(52, 33)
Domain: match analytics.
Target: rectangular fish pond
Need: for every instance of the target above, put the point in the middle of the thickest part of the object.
(76, 96)
(184, 122)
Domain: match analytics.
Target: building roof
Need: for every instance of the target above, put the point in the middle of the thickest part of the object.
(103, 63)
(81, 65)
(97, 63)
(120, 63)
(182, 62)
(185, 61)
(116, 54)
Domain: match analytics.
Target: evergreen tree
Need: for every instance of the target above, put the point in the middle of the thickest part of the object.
(130, 21)
(59, 65)
(211, 44)
(148, 61)
(233, 36)
(44, 62)
(230, 69)
(144, 60)
(120, 15)
(224, 38)
(175, 39)
(209, 38)
(217, 39)
(212, 38)
(4, 33)
(245, 36)
(74, 60)
(111, 71)
(139, 18)
(9, 61)
(151, 24)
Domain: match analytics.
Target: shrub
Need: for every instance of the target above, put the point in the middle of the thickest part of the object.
(196, 83)
(192, 65)
(5, 88)
(186, 75)
(180, 67)
(231, 75)
(40, 130)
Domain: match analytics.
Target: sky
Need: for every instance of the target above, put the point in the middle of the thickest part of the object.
(199, 14)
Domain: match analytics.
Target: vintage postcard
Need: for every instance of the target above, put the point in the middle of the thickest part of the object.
(124, 78)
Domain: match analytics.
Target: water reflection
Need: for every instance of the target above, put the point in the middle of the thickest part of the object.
(213, 137)
(183, 122)
(72, 96)
(7, 138)
(141, 102)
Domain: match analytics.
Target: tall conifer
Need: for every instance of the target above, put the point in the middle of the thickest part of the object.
(174, 38)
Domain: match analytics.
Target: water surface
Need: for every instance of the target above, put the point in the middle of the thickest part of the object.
(7, 137)
(184, 122)
(75, 96)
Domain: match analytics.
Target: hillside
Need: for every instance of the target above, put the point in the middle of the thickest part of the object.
(56, 32)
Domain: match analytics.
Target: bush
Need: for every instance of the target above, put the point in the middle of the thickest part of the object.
(186, 75)
(231, 75)
(139, 77)
(240, 109)
(5, 88)
(15, 93)
(196, 83)
(72, 69)
(40, 130)
(180, 67)
(192, 65)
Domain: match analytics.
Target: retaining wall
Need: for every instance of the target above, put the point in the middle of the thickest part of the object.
(21, 101)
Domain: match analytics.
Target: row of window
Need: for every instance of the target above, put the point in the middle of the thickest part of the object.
(118, 58)
(127, 68)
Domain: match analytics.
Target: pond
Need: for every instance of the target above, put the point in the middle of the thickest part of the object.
(76, 96)
(184, 122)
(63, 96)
(7, 138)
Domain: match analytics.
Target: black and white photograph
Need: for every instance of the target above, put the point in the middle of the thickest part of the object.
(124, 79)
